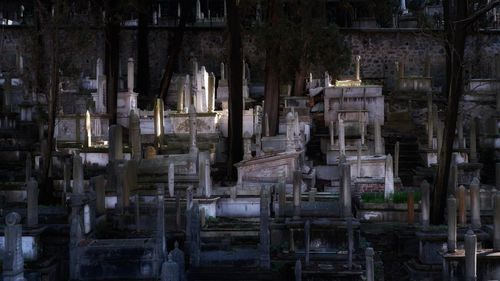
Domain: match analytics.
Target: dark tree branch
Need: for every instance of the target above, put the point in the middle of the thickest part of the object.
(477, 14)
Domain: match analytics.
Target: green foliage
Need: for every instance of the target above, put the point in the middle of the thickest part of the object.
(304, 38)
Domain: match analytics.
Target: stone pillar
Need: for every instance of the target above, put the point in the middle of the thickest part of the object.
(462, 208)
(396, 160)
(32, 212)
(378, 137)
(470, 256)
(307, 240)
(472, 141)
(358, 163)
(170, 270)
(411, 208)
(134, 129)
(460, 129)
(370, 269)
(265, 259)
(158, 122)
(452, 224)
(496, 223)
(345, 170)
(475, 204)
(208, 179)
(425, 204)
(247, 146)
(297, 184)
(298, 271)
(130, 75)
(77, 175)
(341, 133)
(389, 178)
(358, 68)
(290, 140)
(115, 143)
(160, 220)
(332, 134)
(13, 262)
(193, 149)
(88, 130)
(171, 179)
(211, 93)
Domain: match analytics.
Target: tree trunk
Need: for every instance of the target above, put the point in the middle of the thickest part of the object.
(112, 59)
(143, 58)
(235, 88)
(455, 34)
(272, 74)
(300, 78)
(46, 196)
(174, 50)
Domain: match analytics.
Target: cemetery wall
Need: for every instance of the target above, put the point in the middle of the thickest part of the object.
(380, 49)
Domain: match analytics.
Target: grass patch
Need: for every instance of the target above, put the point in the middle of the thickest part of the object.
(398, 197)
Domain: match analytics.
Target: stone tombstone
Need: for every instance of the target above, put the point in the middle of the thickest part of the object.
(134, 128)
(462, 207)
(452, 224)
(13, 262)
(345, 171)
(171, 179)
(307, 240)
(470, 242)
(370, 269)
(178, 257)
(475, 204)
(298, 271)
(32, 212)
(160, 220)
(211, 92)
(115, 143)
(341, 133)
(194, 245)
(389, 178)
(88, 130)
(264, 246)
(170, 270)
(78, 187)
(180, 94)
(378, 137)
(193, 148)
(425, 204)
(247, 146)
(297, 185)
(208, 179)
(159, 117)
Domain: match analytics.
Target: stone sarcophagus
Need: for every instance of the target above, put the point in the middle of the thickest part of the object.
(345, 100)
(268, 169)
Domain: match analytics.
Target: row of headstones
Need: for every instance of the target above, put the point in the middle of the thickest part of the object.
(437, 126)
(341, 136)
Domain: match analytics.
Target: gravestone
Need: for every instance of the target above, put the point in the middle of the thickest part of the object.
(13, 262)
(264, 246)
(170, 270)
(134, 128)
(475, 204)
(77, 174)
(178, 257)
(115, 143)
